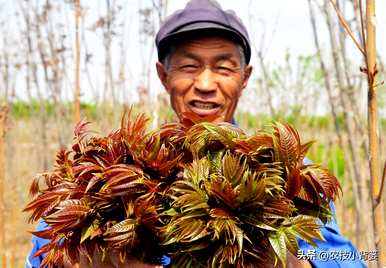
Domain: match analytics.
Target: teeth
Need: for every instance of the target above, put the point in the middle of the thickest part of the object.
(203, 105)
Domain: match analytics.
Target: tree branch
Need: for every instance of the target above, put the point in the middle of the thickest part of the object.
(346, 27)
(379, 195)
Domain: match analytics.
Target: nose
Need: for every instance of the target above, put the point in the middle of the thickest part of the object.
(205, 82)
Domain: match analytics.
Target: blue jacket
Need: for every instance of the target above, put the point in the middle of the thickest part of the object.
(335, 252)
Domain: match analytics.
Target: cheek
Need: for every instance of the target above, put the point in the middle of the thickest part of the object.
(232, 91)
(178, 89)
(177, 101)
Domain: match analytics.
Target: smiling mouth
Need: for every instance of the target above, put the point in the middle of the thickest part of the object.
(204, 105)
(203, 108)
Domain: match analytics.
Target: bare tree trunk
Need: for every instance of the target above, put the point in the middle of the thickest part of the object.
(378, 211)
(353, 155)
(326, 75)
(107, 39)
(368, 49)
(44, 103)
(3, 128)
(56, 48)
(32, 72)
(350, 89)
(357, 124)
(266, 83)
(13, 182)
(77, 62)
(14, 213)
(162, 11)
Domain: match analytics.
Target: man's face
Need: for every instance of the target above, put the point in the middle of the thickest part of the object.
(205, 76)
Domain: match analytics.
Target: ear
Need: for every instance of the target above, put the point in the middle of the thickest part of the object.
(162, 74)
(247, 73)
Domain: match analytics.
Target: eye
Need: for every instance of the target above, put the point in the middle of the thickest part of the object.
(189, 68)
(224, 69)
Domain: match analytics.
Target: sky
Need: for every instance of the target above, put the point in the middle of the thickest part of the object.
(275, 25)
(289, 20)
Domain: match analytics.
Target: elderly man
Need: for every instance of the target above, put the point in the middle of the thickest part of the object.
(204, 55)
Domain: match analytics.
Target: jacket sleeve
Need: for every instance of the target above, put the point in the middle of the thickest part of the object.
(37, 243)
(335, 252)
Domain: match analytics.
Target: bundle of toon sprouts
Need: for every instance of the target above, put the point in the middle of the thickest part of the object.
(205, 194)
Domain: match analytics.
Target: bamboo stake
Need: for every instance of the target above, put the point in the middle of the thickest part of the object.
(3, 124)
(77, 62)
(379, 225)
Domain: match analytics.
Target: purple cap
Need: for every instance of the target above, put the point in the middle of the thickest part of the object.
(202, 15)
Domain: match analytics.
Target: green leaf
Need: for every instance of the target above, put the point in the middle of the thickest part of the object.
(185, 231)
(169, 212)
(257, 223)
(304, 149)
(287, 145)
(124, 226)
(196, 172)
(87, 231)
(223, 133)
(278, 244)
(304, 227)
(233, 168)
(215, 159)
(291, 241)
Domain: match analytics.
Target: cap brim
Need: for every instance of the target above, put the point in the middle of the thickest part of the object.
(200, 26)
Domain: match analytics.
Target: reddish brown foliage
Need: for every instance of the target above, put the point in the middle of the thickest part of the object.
(197, 187)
